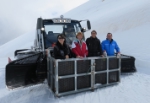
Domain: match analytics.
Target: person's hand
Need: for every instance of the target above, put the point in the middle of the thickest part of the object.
(118, 55)
(79, 57)
(46, 52)
(101, 55)
(67, 56)
(105, 54)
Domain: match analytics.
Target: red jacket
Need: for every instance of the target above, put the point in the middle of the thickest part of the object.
(79, 50)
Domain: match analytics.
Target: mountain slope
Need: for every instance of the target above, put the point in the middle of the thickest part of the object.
(129, 23)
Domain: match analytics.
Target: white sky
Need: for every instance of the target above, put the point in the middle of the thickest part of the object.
(19, 16)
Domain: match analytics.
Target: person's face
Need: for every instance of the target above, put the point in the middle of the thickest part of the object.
(109, 36)
(93, 34)
(61, 40)
(79, 37)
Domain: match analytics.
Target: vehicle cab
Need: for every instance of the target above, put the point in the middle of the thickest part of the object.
(49, 29)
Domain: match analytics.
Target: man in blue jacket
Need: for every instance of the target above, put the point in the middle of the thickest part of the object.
(109, 45)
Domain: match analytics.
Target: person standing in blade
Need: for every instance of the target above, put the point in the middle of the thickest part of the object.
(94, 45)
(109, 46)
(61, 49)
(79, 47)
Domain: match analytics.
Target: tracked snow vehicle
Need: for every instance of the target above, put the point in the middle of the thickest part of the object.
(30, 67)
(63, 76)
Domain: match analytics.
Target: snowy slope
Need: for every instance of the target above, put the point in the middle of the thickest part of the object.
(21, 42)
(129, 23)
(113, 15)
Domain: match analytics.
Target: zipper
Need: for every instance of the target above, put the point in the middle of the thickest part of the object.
(109, 46)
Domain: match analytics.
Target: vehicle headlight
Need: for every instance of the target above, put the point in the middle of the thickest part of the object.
(42, 29)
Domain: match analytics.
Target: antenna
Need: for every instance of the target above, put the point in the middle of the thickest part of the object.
(61, 16)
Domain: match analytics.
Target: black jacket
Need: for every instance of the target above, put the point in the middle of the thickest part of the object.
(94, 46)
(60, 51)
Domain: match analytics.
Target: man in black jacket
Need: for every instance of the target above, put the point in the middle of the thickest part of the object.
(94, 45)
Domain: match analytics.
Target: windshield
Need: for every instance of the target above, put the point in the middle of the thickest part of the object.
(53, 30)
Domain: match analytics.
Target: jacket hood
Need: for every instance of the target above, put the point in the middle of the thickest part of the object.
(93, 38)
(110, 40)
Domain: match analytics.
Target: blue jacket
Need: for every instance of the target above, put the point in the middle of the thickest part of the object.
(109, 46)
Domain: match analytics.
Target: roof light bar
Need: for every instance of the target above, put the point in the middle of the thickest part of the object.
(61, 20)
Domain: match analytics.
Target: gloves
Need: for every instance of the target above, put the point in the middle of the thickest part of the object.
(105, 54)
(118, 55)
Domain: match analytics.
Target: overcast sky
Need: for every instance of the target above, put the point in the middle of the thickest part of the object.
(19, 16)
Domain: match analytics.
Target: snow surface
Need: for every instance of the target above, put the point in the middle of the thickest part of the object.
(129, 23)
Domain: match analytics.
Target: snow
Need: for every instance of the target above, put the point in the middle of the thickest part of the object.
(22, 42)
(113, 16)
(132, 89)
(20, 16)
(129, 23)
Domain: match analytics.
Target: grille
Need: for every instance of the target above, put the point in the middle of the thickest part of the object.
(101, 78)
(65, 68)
(113, 76)
(83, 81)
(83, 66)
(101, 64)
(113, 63)
(66, 85)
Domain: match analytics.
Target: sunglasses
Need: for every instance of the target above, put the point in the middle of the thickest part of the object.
(93, 33)
(60, 38)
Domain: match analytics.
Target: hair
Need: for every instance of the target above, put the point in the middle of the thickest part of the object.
(93, 31)
(79, 33)
(61, 35)
(109, 33)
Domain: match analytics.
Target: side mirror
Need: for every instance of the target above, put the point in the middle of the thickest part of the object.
(88, 25)
(39, 23)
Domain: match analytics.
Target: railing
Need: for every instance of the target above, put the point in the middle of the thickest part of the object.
(76, 75)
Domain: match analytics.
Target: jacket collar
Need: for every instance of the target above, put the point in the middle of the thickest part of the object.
(110, 40)
(79, 40)
(93, 38)
(59, 45)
